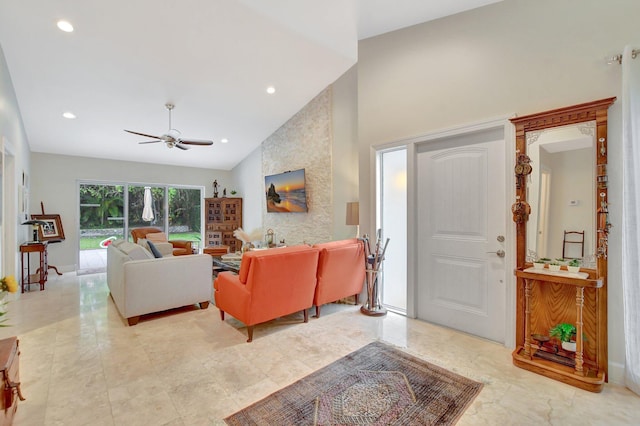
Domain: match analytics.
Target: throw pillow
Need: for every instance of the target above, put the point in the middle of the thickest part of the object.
(154, 250)
(143, 242)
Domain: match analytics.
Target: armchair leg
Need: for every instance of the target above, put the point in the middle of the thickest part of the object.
(204, 305)
(222, 315)
(356, 298)
(317, 311)
(306, 315)
(250, 333)
(133, 320)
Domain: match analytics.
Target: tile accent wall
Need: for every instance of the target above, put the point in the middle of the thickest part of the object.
(303, 142)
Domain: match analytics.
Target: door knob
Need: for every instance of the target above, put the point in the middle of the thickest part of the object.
(499, 253)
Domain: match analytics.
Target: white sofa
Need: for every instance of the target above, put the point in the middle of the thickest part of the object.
(141, 284)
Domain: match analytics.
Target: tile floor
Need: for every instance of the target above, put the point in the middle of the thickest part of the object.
(81, 365)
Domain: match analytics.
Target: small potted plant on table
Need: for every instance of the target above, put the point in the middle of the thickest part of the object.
(574, 265)
(566, 334)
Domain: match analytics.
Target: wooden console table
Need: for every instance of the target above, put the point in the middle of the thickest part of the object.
(548, 297)
(41, 274)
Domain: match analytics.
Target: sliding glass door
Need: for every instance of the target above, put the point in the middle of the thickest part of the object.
(101, 219)
(108, 211)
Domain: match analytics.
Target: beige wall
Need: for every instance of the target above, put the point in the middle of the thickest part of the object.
(55, 182)
(516, 56)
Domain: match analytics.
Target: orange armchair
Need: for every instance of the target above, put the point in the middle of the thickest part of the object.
(271, 284)
(340, 271)
(180, 247)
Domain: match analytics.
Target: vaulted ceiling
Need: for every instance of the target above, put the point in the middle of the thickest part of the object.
(213, 59)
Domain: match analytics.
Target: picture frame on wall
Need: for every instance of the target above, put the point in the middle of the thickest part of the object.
(53, 230)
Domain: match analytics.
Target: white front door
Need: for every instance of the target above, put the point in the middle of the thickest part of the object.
(461, 221)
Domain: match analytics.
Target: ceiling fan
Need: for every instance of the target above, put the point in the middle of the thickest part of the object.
(172, 137)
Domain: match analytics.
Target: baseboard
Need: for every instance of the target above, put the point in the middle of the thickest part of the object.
(616, 373)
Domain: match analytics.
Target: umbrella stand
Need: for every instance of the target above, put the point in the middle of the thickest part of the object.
(373, 266)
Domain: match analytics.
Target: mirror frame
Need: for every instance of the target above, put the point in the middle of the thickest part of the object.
(591, 111)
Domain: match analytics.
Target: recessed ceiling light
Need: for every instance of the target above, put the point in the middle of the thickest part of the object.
(69, 115)
(271, 90)
(224, 140)
(65, 26)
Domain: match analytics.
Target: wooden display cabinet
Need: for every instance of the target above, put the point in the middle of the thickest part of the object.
(222, 217)
(545, 298)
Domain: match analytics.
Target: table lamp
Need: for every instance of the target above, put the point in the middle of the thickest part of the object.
(35, 224)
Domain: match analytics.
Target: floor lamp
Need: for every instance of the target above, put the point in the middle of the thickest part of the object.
(353, 215)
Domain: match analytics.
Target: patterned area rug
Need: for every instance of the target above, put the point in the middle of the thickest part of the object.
(375, 385)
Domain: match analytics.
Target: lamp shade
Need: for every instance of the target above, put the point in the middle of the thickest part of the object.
(353, 213)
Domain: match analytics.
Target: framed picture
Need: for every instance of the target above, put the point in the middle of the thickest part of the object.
(52, 231)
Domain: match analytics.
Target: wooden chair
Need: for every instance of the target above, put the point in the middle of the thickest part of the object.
(572, 238)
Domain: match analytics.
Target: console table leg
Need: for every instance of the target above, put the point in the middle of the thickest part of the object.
(579, 324)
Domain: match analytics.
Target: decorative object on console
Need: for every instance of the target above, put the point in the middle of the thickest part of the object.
(172, 137)
(353, 215)
(286, 192)
(270, 238)
(522, 168)
(35, 225)
(520, 210)
(215, 188)
(51, 228)
(373, 265)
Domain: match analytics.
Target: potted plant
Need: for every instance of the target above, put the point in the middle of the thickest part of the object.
(539, 263)
(565, 332)
(574, 265)
(554, 265)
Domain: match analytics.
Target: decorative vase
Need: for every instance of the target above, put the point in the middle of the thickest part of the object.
(569, 346)
(538, 265)
(573, 268)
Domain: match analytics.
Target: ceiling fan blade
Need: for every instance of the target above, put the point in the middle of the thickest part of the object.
(142, 134)
(184, 148)
(195, 141)
(150, 142)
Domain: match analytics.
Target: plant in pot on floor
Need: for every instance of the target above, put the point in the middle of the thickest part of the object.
(566, 334)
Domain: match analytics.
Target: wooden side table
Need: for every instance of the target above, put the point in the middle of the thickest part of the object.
(40, 276)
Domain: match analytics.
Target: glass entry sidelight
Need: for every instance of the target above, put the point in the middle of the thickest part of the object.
(101, 220)
(392, 210)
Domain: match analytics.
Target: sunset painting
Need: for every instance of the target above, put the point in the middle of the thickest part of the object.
(285, 192)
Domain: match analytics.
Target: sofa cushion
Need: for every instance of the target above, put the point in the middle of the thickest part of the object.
(154, 250)
(159, 237)
(135, 251)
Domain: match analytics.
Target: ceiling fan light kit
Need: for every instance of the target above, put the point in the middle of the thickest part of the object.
(172, 138)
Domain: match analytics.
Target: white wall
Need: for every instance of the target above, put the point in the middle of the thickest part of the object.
(55, 183)
(248, 175)
(345, 151)
(514, 56)
(14, 147)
